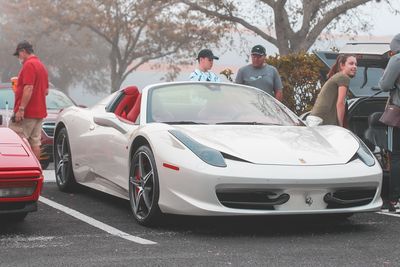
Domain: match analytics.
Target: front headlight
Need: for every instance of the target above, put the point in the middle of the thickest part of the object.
(364, 154)
(206, 154)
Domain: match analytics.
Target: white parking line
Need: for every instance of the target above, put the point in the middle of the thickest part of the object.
(49, 176)
(389, 214)
(102, 226)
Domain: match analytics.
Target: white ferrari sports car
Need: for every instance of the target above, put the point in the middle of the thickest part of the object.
(200, 148)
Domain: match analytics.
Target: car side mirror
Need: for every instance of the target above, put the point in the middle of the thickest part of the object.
(110, 120)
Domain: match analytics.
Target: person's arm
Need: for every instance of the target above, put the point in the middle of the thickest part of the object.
(279, 95)
(26, 96)
(341, 104)
(390, 75)
(278, 86)
(216, 78)
(194, 76)
(239, 77)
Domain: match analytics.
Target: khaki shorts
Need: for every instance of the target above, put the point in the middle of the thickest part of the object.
(31, 129)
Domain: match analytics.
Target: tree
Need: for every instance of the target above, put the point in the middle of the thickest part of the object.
(70, 56)
(135, 32)
(291, 25)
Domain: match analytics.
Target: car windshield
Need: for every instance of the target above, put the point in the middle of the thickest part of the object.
(212, 103)
(55, 99)
(58, 100)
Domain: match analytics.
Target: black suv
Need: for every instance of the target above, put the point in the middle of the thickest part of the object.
(366, 102)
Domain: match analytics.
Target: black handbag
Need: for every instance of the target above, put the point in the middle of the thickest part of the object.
(391, 115)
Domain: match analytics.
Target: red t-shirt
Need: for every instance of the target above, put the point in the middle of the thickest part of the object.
(34, 73)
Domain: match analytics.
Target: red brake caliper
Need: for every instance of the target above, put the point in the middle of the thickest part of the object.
(137, 176)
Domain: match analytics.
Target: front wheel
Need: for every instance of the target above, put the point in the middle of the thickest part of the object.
(144, 187)
(62, 162)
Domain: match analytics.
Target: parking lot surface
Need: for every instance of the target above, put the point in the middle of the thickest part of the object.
(89, 228)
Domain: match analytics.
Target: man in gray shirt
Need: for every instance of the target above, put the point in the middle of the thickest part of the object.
(261, 75)
(390, 81)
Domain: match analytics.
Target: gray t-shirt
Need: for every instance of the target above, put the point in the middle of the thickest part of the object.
(266, 78)
(391, 79)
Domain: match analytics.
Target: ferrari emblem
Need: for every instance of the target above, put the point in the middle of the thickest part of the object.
(302, 161)
(309, 200)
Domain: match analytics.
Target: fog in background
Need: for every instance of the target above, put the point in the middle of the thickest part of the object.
(385, 26)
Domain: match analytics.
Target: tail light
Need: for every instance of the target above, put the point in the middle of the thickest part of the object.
(17, 189)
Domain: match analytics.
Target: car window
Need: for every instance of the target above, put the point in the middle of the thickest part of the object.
(370, 69)
(54, 100)
(6, 97)
(58, 100)
(215, 104)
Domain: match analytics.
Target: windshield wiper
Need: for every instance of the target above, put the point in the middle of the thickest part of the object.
(246, 123)
(182, 122)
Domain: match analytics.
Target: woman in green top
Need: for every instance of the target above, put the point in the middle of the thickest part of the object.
(330, 106)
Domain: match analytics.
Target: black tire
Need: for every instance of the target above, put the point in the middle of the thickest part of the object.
(63, 162)
(45, 164)
(144, 190)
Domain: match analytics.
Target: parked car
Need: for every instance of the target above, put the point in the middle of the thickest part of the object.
(366, 101)
(207, 149)
(55, 101)
(21, 177)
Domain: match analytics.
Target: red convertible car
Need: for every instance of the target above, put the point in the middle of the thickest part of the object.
(21, 177)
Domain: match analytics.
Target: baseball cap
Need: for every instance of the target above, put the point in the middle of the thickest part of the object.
(23, 45)
(258, 50)
(207, 53)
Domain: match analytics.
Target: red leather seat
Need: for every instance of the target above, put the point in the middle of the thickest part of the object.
(126, 104)
(135, 111)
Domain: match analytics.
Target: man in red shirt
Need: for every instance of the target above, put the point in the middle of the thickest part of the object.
(30, 96)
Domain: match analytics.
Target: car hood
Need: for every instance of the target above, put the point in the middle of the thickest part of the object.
(280, 145)
(14, 154)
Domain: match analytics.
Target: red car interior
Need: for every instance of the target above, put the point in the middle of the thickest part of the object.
(129, 107)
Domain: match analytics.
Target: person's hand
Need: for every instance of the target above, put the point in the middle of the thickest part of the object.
(19, 116)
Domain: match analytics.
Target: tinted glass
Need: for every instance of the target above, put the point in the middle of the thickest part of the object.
(369, 72)
(58, 100)
(6, 96)
(215, 103)
(54, 100)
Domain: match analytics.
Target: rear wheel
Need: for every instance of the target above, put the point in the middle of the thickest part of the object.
(144, 187)
(63, 163)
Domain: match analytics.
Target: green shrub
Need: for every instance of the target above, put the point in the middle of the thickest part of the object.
(301, 78)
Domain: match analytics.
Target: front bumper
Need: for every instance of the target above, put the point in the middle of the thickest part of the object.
(246, 189)
(20, 190)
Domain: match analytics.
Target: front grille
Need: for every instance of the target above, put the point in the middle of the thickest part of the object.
(48, 128)
(347, 198)
(251, 199)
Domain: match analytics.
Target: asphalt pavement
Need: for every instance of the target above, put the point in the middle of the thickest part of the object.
(89, 228)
